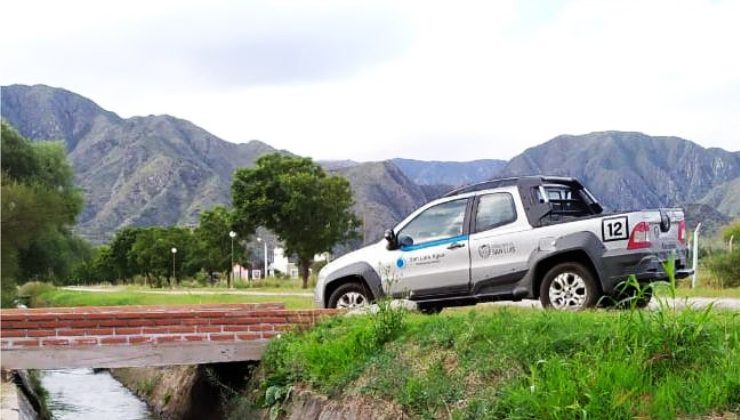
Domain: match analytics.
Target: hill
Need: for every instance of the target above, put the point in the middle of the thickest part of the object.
(161, 170)
(154, 170)
(725, 198)
(632, 170)
(449, 173)
(383, 194)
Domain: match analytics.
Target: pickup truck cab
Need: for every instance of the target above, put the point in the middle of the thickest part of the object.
(535, 237)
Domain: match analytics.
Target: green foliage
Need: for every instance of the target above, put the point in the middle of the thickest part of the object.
(121, 260)
(32, 291)
(525, 364)
(213, 245)
(293, 197)
(725, 267)
(39, 205)
(732, 230)
(37, 388)
(153, 253)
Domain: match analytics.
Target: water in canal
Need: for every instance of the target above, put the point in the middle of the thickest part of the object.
(81, 394)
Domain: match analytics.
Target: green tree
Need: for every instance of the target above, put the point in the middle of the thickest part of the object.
(39, 205)
(123, 261)
(54, 257)
(152, 251)
(292, 196)
(212, 242)
(95, 269)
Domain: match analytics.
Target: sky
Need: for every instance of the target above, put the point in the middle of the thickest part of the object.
(371, 80)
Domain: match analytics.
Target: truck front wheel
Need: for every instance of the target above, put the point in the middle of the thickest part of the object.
(569, 286)
(349, 296)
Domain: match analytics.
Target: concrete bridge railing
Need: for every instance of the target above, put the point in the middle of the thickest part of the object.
(137, 336)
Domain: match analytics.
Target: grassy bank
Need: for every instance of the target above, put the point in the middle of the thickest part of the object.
(51, 296)
(520, 363)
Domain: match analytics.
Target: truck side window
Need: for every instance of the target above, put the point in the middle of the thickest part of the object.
(494, 210)
(439, 222)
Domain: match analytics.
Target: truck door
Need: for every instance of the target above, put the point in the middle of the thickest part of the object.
(499, 241)
(434, 257)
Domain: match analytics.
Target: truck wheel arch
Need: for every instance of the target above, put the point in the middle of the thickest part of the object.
(359, 272)
(576, 255)
(581, 247)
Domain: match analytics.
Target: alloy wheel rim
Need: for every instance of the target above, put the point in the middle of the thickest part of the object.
(568, 291)
(351, 300)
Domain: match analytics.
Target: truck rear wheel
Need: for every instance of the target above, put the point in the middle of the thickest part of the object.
(349, 296)
(569, 286)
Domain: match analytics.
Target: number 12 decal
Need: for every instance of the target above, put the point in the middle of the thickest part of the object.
(615, 229)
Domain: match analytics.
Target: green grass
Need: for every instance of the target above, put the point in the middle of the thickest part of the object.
(515, 363)
(707, 292)
(59, 297)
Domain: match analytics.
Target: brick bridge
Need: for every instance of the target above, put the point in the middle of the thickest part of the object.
(138, 336)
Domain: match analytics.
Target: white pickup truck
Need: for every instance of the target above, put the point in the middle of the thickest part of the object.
(510, 239)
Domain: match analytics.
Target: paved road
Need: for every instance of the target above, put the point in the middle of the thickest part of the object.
(187, 292)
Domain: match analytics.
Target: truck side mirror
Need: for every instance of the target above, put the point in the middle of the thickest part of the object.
(390, 237)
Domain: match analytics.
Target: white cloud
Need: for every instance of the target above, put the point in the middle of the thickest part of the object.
(462, 80)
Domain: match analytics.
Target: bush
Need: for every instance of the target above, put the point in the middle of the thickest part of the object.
(726, 268)
(33, 291)
(8, 292)
(732, 230)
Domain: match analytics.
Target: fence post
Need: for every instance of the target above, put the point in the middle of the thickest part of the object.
(695, 255)
(730, 247)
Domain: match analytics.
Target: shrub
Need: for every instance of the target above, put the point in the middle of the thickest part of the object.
(733, 229)
(726, 268)
(33, 291)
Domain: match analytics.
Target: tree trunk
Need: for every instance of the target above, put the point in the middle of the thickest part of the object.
(303, 265)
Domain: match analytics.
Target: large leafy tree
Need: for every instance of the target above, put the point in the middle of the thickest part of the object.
(39, 205)
(293, 197)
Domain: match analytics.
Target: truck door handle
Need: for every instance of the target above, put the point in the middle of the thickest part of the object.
(455, 245)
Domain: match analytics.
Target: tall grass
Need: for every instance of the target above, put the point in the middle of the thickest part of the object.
(523, 364)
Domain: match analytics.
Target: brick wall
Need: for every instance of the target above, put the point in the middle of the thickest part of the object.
(135, 325)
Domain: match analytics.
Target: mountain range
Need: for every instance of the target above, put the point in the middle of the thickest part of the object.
(161, 170)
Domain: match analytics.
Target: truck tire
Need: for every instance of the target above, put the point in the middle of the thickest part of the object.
(349, 296)
(569, 286)
(430, 310)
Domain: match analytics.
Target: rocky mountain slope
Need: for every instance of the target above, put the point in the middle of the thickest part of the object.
(137, 171)
(163, 170)
(424, 172)
(725, 198)
(383, 196)
(632, 170)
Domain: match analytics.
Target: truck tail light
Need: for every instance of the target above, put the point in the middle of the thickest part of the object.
(682, 231)
(639, 238)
